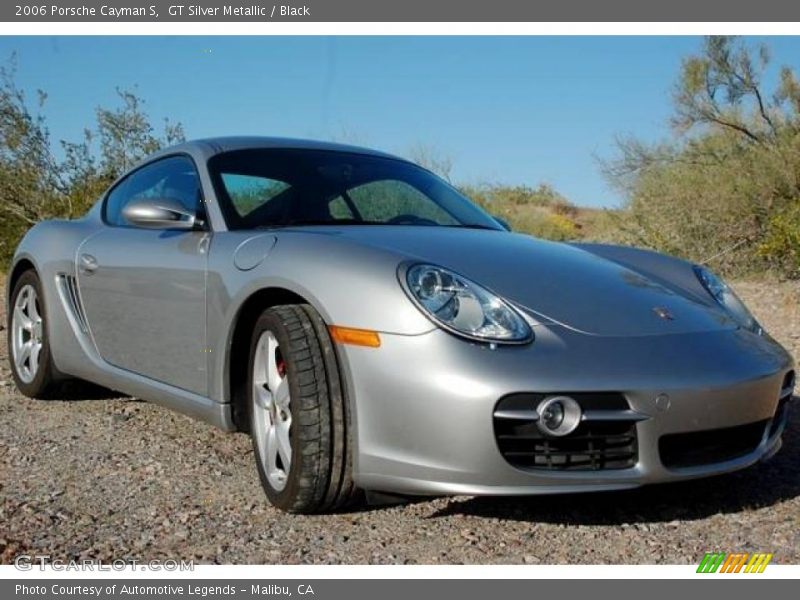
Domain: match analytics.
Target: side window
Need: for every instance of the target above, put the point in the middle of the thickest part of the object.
(248, 192)
(174, 178)
(115, 202)
(381, 201)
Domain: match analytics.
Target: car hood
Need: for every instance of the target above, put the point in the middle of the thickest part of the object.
(553, 282)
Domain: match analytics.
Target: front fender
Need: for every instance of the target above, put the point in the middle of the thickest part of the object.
(348, 285)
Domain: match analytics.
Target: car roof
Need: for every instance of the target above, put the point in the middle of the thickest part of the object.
(209, 147)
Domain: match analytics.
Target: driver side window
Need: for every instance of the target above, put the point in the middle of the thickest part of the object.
(174, 178)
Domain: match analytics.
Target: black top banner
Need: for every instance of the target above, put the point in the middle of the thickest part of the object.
(406, 11)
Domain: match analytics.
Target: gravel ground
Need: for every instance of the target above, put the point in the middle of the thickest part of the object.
(113, 478)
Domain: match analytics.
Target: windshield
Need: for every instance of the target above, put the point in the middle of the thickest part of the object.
(263, 188)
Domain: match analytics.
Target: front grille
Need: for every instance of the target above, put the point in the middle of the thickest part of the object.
(696, 448)
(595, 445)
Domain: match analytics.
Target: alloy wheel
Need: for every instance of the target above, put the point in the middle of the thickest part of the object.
(271, 409)
(27, 330)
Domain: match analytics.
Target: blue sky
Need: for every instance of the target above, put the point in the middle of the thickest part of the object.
(508, 109)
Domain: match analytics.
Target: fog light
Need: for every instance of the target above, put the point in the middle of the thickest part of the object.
(558, 415)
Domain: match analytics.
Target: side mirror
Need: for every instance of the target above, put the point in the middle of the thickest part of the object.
(159, 213)
(503, 223)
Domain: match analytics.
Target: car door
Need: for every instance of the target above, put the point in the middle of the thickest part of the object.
(144, 290)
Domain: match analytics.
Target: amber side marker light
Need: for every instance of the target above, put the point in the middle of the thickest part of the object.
(356, 337)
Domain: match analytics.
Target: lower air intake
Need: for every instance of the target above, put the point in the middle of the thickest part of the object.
(595, 445)
(681, 450)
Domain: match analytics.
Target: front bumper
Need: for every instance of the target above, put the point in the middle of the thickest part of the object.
(423, 404)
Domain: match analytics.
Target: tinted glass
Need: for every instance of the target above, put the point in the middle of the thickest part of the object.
(174, 178)
(279, 187)
(390, 199)
(248, 193)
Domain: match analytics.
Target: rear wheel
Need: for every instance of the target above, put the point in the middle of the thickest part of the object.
(28, 343)
(299, 420)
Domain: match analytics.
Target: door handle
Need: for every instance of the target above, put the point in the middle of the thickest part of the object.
(88, 264)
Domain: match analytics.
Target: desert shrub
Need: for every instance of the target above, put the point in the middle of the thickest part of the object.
(554, 226)
(498, 196)
(539, 211)
(36, 183)
(726, 188)
(781, 244)
(603, 225)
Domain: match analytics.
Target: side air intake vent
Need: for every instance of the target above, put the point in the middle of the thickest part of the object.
(69, 292)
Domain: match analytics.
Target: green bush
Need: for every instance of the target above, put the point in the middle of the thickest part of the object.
(781, 245)
(726, 189)
(539, 211)
(36, 184)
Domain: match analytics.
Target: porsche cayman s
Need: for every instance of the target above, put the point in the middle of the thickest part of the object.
(372, 329)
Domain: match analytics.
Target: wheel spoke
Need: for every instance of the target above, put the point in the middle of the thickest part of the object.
(259, 366)
(284, 445)
(33, 363)
(22, 319)
(26, 300)
(32, 311)
(24, 354)
(272, 450)
(263, 397)
(273, 377)
(281, 394)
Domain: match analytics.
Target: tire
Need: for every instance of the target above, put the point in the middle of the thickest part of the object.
(33, 369)
(291, 352)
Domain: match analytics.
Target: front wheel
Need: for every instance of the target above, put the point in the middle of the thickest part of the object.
(299, 420)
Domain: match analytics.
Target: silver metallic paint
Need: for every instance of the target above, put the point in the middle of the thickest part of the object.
(162, 305)
(457, 385)
(159, 214)
(253, 251)
(146, 302)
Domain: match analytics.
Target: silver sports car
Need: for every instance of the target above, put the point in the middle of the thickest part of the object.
(372, 329)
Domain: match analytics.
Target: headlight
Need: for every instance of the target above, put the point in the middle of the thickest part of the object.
(464, 307)
(728, 299)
